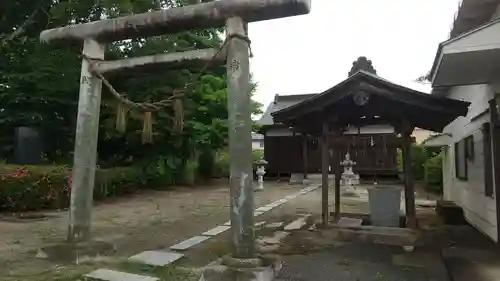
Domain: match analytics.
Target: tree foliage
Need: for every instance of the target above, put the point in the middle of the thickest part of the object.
(39, 84)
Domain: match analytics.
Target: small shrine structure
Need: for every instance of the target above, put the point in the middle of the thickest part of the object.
(365, 99)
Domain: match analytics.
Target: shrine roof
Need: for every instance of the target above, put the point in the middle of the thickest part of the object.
(386, 101)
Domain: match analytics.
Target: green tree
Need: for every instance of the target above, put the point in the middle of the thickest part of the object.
(39, 85)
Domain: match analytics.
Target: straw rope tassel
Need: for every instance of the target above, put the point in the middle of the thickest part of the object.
(178, 115)
(147, 128)
(121, 117)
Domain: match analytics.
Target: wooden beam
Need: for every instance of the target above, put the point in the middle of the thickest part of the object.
(168, 60)
(305, 157)
(324, 174)
(411, 220)
(174, 20)
(338, 174)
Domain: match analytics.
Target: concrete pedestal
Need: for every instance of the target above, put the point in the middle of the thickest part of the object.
(75, 252)
(296, 178)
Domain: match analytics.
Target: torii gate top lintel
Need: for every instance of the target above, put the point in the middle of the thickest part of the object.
(178, 19)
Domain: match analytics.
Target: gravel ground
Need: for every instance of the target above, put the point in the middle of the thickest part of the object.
(151, 220)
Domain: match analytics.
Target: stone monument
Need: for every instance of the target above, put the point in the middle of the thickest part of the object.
(27, 147)
(348, 178)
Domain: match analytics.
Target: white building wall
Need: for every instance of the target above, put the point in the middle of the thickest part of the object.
(479, 209)
(258, 144)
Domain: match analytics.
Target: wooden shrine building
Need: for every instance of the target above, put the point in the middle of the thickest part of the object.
(365, 99)
(373, 147)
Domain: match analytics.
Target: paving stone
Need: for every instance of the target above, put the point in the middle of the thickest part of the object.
(274, 205)
(260, 223)
(275, 225)
(188, 243)
(112, 275)
(264, 209)
(216, 230)
(277, 238)
(156, 258)
(349, 222)
(296, 224)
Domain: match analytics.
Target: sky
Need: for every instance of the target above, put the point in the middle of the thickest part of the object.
(311, 53)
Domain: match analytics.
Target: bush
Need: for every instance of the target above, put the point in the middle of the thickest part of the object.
(434, 173)
(222, 162)
(190, 172)
(418, 157)
(206, 164)
(30, 188)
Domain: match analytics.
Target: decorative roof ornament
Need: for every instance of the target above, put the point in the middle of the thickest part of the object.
(362, 63)
(361, 98)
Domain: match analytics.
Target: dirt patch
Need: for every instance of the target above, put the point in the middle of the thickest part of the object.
(148, 221)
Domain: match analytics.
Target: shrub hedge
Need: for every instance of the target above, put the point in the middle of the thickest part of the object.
(221, 169)
(434, 173)
(30, 188)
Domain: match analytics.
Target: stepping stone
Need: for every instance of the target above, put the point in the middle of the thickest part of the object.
(156, 258)
(277, 238)
(264, 209)
(188, 243)
(228, 223)
(112, 275)
(274, 205)
(255, 214)
(275, 225)
(260, 223)
(216, 230)
(297, 224)
(349, 222)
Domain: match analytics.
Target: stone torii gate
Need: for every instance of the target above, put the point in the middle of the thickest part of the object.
(235, 14)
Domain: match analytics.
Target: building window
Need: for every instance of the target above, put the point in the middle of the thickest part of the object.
(488, 165)
(469, 146)
(261, 144)
(461, 159)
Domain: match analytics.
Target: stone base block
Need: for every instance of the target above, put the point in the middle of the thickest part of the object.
(75, 252)
(266, 269)
(296, 178)
(353, 182)
(380, 235)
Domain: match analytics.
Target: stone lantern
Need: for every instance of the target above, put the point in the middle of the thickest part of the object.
(261, 171)
(349, 178)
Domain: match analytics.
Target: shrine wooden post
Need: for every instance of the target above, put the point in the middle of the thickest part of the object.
(338, 174)
(409, 190)
(94, 35)
(324, 172)
(305, 156)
